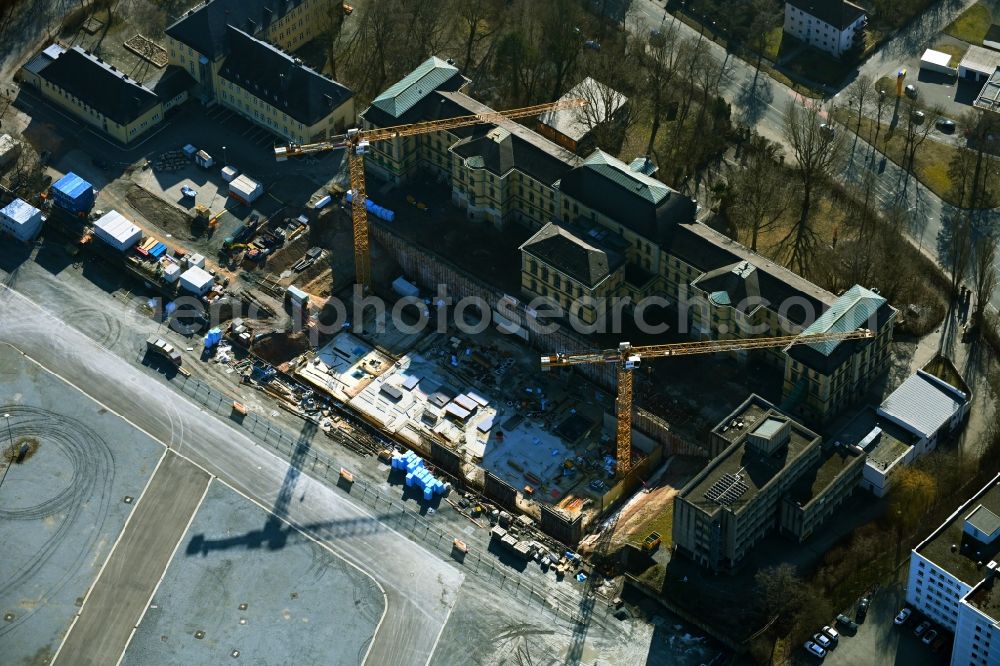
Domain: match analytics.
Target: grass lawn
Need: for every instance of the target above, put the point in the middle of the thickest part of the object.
(954, 50)
(931, 162)
(773, 42)
(972, 25)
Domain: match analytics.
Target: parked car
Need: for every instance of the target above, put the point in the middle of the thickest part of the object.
(929, 637)
(918, 117)
(846, 623)
(910, 91)
(832, 634)
(189, 192)
(902, 616)
(862, 611)
(828, 131)
(939, 643)
(945, 125)
(822, 640)
(814, 649)
(921, 628)
(592, 44)
(348, 9)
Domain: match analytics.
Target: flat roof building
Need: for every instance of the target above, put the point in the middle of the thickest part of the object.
(21, 220)
(952, 561)
(926, 406)
(117, 231)
(769, 473)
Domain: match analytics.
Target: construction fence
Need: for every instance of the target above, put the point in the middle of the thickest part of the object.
(392, 513)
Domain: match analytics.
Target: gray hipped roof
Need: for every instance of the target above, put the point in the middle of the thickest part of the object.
(203, 27)
(280, 80)
(100, 86)
(584, 260)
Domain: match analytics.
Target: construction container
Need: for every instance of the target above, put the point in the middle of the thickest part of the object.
(196, 260)
(21, 220)
(203, 159)
(196, 280)
(117, 231)
(171, 272)
(189, 151)
(245, 190)
(229, 173)
(72, 193)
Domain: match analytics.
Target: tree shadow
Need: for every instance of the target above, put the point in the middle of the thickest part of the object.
(754, 98)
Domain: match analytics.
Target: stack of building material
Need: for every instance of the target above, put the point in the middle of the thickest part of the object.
(72, 193)
(417, 475)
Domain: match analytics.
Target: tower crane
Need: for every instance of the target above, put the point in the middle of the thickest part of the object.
(357, 141)
(627, 358)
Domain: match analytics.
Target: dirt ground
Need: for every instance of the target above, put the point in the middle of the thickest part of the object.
(163, 215)
(653, 511)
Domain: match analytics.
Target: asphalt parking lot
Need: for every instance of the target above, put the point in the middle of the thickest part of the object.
(878, 640)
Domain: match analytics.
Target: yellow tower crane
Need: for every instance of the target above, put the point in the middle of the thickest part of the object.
(627, 358)
(356, 143)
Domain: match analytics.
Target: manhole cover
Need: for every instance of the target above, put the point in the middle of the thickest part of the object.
(128, 499)
(243, 606)
(79, 602)
(163, 638)
(8, 617)
(295, 595)
(234, 654)
(199, 634)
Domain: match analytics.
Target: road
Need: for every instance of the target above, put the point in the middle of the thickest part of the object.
(760, 102)
(118, 598)
(420, 588)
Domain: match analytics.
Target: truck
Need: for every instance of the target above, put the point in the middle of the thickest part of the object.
(161, 347)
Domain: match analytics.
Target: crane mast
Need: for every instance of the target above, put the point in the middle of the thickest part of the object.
(357, 141)
(628, 357)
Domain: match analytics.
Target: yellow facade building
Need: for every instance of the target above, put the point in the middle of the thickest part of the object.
(236, 52)
(94, 91)
(599, 229)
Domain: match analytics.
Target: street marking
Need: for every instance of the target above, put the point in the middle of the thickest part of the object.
(121, 534)
(164, 574)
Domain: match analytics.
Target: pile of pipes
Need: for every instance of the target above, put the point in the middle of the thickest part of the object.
(417, 475)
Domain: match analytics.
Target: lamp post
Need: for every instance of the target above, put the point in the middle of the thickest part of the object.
(225, 162)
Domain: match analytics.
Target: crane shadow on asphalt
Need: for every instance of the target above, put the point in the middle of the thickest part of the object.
(277, 533)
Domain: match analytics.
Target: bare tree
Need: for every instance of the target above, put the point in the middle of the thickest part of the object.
(957, 247)
(560, 43)
(660, 60)
(816, 149)
(24, 177)
(984, 273)
(859, 96)
(607, 113)
(478, 22)
(758, 191)
(333, 17)
(917, 125)
(782, 596)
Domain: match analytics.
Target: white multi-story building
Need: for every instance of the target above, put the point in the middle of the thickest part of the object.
(829, 25)
(953, 561)
(977, 636)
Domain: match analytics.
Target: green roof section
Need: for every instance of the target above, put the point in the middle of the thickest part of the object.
(614, 169)
(850, 312)
(405, 93)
